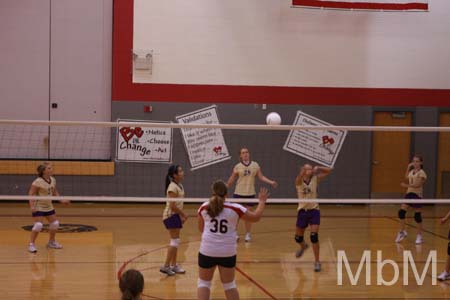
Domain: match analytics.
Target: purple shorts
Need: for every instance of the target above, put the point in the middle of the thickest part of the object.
(43, 213)
(172, 222)
(308, 217)
(245, 197)
(413, 196)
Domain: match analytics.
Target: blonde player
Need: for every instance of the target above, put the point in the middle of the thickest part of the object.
(306, 184)
(445, 275)
(245, 172)
(217, 221)
(416, 177)
(173, 218)
(44, 185)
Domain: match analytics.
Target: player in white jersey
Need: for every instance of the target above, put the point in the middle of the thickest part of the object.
(217, 221)
(174, 218)
(308, 213)
(245, 172)
(416, 177)
(44, 185)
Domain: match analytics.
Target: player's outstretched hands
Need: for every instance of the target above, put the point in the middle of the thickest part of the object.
(263, 194)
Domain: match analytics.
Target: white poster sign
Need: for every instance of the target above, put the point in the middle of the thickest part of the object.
(205, 146)
(144, 144)
(321, 146)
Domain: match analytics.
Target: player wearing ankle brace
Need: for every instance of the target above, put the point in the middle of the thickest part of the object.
(217, 221)
(416, 177)
(308, 213)
(44, 185)
(173, 219)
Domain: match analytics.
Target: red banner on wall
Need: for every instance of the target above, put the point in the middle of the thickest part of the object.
(365, 4)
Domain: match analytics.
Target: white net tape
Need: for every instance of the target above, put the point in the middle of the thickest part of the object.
(240, 200)
(109, 188)
(232, 126)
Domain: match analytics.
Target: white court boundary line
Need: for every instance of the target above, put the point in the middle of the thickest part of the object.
(226, 126)
(240, 200)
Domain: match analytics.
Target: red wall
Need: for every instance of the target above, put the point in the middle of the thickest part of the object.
(124, 90)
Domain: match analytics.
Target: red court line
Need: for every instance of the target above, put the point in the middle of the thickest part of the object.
(256, 283)
(248, 277)
(119, 273)
(152, 297)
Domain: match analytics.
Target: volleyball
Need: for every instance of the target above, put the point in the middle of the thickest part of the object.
(273, 118)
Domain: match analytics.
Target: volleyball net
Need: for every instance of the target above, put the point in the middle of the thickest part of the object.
(127, 160)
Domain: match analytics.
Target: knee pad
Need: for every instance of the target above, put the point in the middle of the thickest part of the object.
(448, 249)
(229, 285)
(203, 284)
(418, 217)
(401, 214)
(37, 227)
(314, 237)
(54, 225)
(174, 243)
(299, 239)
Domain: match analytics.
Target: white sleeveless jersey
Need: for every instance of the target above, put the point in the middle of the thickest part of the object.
(245, 185)
(178, 190)
(45, 188)
(308, 190)
(415, 178)
(219, 233)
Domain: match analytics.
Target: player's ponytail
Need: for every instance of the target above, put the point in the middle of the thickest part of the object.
(219, 190)
(127, 295)
(173, 169)
(131, 285)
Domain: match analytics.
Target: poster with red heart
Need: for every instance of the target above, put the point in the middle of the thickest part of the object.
(320, 146)
(205, 146)
(144, 143)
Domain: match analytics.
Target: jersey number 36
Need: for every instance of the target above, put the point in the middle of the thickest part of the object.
(219, 226)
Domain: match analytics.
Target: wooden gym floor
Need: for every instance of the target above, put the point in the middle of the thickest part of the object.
(132, 236)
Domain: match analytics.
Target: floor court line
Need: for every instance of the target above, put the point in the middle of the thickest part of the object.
(152, 297)
(330, 244)
(423, 229)
(119, 273)
(427, 231)
(249, 278)
(159, 216)
(195, 262)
